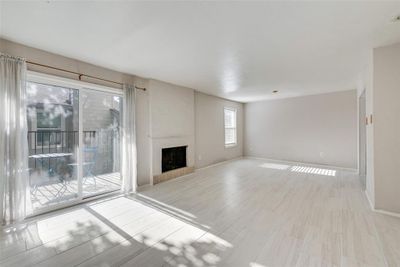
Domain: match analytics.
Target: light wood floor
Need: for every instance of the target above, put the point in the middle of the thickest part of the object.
(241, 213)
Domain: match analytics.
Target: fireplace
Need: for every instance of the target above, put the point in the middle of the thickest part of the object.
(173, 158)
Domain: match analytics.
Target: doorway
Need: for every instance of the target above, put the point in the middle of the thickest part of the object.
(74, 141)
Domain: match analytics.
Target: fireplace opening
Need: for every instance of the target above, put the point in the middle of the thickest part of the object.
(173, 158)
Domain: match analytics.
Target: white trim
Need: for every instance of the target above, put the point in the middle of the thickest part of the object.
(219, 163)
(80, 152)
(371, 204)
(361, 95)
(305, 163)
(231, 145)
(70, 204)
(231, 108)
(69, 83)
(228, 145)
(389, 213)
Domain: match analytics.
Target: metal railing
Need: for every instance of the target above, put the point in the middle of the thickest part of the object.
(52, 150)
(55, 141)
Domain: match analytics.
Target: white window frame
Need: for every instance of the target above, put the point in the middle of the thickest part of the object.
(227, 145)
(38, 77)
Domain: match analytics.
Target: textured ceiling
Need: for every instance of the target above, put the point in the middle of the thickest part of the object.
(237, 50)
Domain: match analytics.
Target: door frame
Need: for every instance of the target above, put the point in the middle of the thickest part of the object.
(362, 135)
(38, 77)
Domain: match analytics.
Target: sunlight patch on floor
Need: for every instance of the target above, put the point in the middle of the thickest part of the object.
(122, 223)
(275, 166)
(313, 170)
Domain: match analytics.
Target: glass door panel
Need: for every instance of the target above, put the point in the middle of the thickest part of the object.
(101, 165)
(53, 139)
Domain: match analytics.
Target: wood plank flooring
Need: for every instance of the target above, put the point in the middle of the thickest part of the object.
(245, 212)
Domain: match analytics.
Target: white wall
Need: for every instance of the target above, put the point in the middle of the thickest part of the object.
(142, 109)
(164, 113)
(172, 120)
(320, 129)
(210, 138)
(386, 127)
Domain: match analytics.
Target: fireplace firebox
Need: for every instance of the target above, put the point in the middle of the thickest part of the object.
(173, 158)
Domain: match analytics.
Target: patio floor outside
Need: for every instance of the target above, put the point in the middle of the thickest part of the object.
(60, 192)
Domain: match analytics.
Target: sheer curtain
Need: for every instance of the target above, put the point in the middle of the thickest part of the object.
(129, 161)
(14, 176)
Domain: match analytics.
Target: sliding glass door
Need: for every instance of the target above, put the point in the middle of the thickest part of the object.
(101, 142)
(53, 139)
(74, 142)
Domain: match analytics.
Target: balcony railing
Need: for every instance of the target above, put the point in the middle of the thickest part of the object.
(53, 164)
(49, 150)
(55, 141)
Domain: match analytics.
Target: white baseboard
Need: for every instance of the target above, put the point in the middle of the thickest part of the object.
(389, 213)
(369, 200)
(305, 163)
(219, 163)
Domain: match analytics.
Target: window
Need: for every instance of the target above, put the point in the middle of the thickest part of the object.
(230, 126)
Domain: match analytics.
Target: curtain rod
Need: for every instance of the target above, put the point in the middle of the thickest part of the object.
(80, 75)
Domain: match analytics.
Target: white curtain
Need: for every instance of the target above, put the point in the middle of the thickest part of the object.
(129, 161)
(14, 176)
